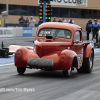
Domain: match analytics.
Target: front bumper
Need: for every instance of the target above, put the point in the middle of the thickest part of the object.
(39, 62)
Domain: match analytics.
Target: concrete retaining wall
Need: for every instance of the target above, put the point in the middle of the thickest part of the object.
(17, 32)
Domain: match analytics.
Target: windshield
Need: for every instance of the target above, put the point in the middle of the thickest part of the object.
(55, 33)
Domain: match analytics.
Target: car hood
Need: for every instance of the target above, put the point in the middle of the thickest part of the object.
(47, 48)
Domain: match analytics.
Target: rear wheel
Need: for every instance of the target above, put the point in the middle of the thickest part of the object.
(87, 65)
(21, 70)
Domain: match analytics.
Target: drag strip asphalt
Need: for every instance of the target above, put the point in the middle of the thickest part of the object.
(47, 85)
(50, 85)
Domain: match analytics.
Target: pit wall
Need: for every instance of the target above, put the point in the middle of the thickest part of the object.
(17, 32)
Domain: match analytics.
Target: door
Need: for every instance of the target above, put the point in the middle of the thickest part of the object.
(78, 46)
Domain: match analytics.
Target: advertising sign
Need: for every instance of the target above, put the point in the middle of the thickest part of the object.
(27, 32)
(6, 32)
(82, 3)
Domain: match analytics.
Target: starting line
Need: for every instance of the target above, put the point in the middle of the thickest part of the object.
(10, 60)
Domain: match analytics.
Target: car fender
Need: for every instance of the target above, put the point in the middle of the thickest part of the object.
(87, 50)
(21, 56)
(70, 56)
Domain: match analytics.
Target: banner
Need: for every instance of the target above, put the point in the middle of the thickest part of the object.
(27, 32)
(82, 3)
(6, 32)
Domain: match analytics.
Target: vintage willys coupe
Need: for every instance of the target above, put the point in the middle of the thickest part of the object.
(57, 46)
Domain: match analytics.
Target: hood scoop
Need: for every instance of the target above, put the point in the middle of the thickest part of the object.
(49, 38)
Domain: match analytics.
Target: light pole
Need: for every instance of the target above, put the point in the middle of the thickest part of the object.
(44, 5)
(7, 9)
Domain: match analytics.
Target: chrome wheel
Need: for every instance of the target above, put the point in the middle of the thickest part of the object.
(70, 71)
(91, 61)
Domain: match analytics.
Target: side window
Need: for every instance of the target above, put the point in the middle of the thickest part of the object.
(77, 36)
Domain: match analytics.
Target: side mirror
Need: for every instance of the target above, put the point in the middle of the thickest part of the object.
(33, 41)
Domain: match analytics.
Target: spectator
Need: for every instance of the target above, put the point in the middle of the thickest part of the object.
(88, 28)
(95, 29)
(71, 21)
(32, 22)
(26, 21)
(0, 22)
(54, 19)
(59, 20)
(21, 20)
(40, 22)
(64, 20)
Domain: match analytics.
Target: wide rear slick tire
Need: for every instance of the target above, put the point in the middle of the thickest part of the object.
(21, 70)
(87, 65)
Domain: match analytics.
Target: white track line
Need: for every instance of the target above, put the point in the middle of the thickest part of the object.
(7, 64)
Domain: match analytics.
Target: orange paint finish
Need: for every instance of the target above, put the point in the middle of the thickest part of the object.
(45, 48)
(70, 56)
(61, 50)
(26, 53)
(57, 25)
(58, 63)
(87, 51)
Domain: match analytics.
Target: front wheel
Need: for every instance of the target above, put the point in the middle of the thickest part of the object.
(68, 72)
(21, 70)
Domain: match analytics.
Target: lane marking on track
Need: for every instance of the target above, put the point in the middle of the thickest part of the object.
(7, 64)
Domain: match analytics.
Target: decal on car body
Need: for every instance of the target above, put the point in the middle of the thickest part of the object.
(80, 61)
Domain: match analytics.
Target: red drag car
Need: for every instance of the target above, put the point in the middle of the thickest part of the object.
(57, 46)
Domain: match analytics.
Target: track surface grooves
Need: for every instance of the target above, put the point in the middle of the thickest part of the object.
(51, 85)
